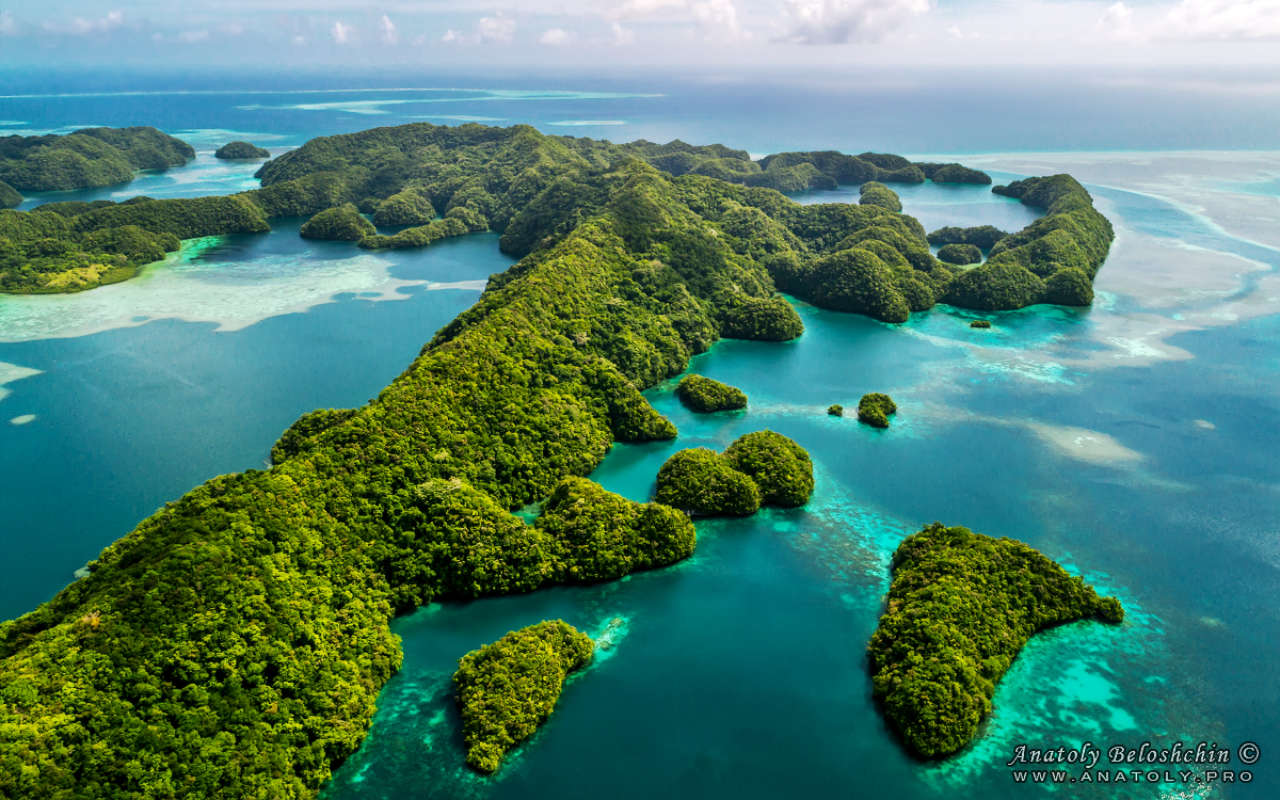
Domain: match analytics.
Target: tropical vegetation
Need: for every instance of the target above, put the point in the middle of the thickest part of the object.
(983, 236)
(701, 481)
(506, 689)
(234, 643)
(87, 158)
(9, 196)
(760, 468)
(780, 468)
(1052, 260)
(874, 409)
(340, 223)
(706, 395)
(874, 193)
(954, 173)
(960, 607)
(960, 253)
(405, 207)
(241, 150)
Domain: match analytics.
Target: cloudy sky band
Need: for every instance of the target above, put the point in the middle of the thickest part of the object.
(694, 31)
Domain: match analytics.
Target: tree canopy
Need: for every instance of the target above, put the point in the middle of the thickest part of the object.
(341, 223)
(874, 409)
(960, 608)
(706, 395)
(9, 197)
(241, 150)
(506, 689)
(760, 468)
(87, 158)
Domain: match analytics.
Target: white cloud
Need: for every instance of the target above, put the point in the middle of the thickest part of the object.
(81, 26)
(498, 29)
(299, 40)
(718, 19)
(1193, 20)
(1223, 20)
(8, 26)
(191, 37)
(388, 31)
(341, 32)
(1117, 15)
(1117, 23)
(621, 36)
(555, 37)
(844, 21)
(636, 9)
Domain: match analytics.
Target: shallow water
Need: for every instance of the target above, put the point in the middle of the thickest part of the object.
(1133, 441)
(147, 388)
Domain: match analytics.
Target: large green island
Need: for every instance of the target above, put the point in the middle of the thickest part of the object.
(235, 642)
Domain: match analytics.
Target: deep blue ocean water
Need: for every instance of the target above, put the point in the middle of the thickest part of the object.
(1135, 442)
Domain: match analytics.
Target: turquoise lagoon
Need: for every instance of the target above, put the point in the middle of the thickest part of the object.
(1135, 442)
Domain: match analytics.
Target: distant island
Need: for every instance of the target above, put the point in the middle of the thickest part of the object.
(954, 173)
(87, 158)
(960, 608)
(441, 182)
(252, 615)
(241, 151)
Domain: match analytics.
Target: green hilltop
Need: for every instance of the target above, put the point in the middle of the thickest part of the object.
(87, 158)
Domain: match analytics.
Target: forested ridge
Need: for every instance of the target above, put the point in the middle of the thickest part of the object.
(87, 158)
(438, 182)
(235, 642)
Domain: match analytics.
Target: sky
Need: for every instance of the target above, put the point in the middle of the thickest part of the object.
(610, 34)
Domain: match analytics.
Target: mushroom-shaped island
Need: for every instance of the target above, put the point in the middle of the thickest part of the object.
(241, 151)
